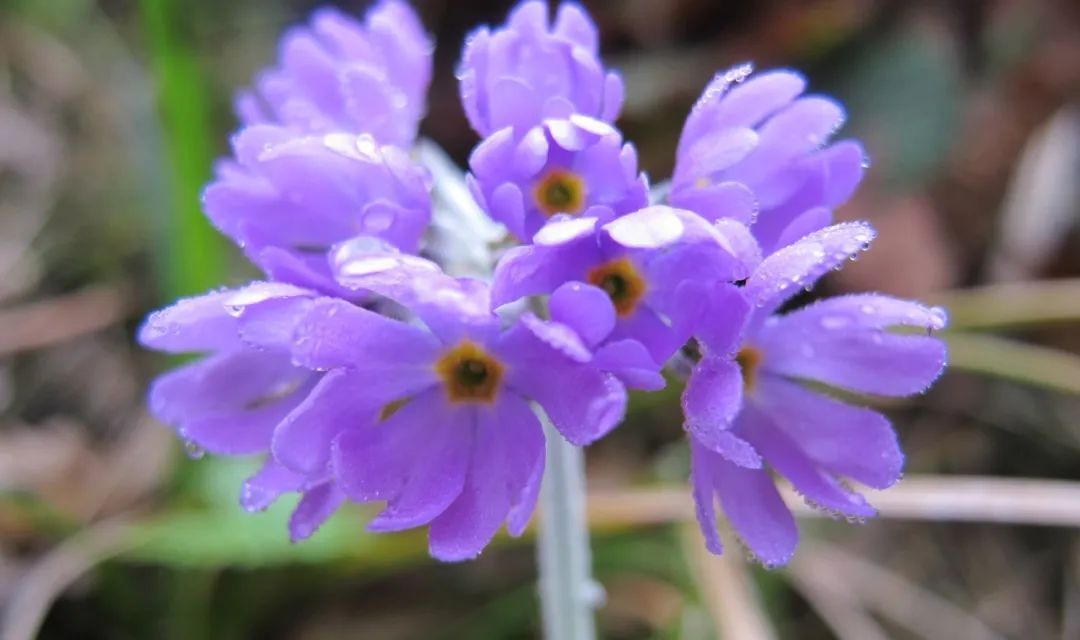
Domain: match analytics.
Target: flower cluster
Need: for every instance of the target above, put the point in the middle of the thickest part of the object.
(360, 370)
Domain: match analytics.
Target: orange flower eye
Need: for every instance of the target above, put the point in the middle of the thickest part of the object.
(622, 282)
(469, 373)
(749, 360)
(560, 191)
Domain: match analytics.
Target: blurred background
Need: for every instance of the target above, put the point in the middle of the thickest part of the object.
(111, 112)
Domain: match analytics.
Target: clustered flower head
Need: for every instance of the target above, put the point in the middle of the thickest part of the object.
(360, 370)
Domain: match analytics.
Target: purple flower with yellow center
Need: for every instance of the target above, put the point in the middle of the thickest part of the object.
(747, 404)
(754, 148)
(287, 199)
(639, 261)
(529, 70)
(576, 166)
(433, 416)
(339, 74)
(233, 401)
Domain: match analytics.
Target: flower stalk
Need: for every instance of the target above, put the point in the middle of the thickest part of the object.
(568, 594)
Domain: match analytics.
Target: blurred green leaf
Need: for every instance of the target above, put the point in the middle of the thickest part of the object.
(217, 532)
(191, 251)
(902, 95)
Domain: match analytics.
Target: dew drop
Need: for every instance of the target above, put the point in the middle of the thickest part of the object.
(835, 322)
(193, 450)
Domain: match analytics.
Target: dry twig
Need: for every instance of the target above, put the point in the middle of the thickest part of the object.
(728, 591)
(933, 498)
(49, 322)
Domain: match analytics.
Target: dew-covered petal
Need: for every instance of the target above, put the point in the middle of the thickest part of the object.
(338, 334)
(800, 128)
(797, 266)
(729, 102)
(507, 446)
(315, 506)
(539, 269)
(210, 322)
(269, 483)
(731, 200)
(845, 342)
(813, 482)
(701, 484)
(753, 506)
(373, 462)
(647, 327)
(721, 328)
(712, 399)
(649, 228)
(438, 471)
(558, 336)
(849, 441)
(582, 402)
(200, 323)
(344, 398)
(223, 383)
(246, 429)
(521, 440)
(631, 362)
(584, 308)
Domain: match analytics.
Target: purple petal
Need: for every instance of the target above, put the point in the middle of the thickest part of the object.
(242, 431)
(343, 399)
(374, 461)
(755, 509)
(468, 525)
(721, 313)
(268, 484)
(850, 441)
(584, 308)
(209, 322)
(193, 324)
(647, 327)
(648, 228)
(731, 200)
(314, 508)
(712, 399)
(701, 482)
(223, 383)
(797, 266)
(521, 442)
(582, 402)
(559, 337)
(631, 362)
(438, 471)
(815, 484)
(538, 269)
(844, 342)
(338, 334)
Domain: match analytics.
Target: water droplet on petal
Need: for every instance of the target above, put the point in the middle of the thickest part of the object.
(193, 450)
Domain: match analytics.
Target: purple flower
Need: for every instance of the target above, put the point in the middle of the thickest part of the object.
(746, 405)
(342, 75)
(233, 401)
(640, 260)
(753, 149)
(433, 416)
(520, 74)
(577, 166)
(287, 199)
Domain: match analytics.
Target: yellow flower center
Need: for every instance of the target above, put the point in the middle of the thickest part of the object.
(621, 281)
(560, 191)
(749, 360)
(469, 373)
